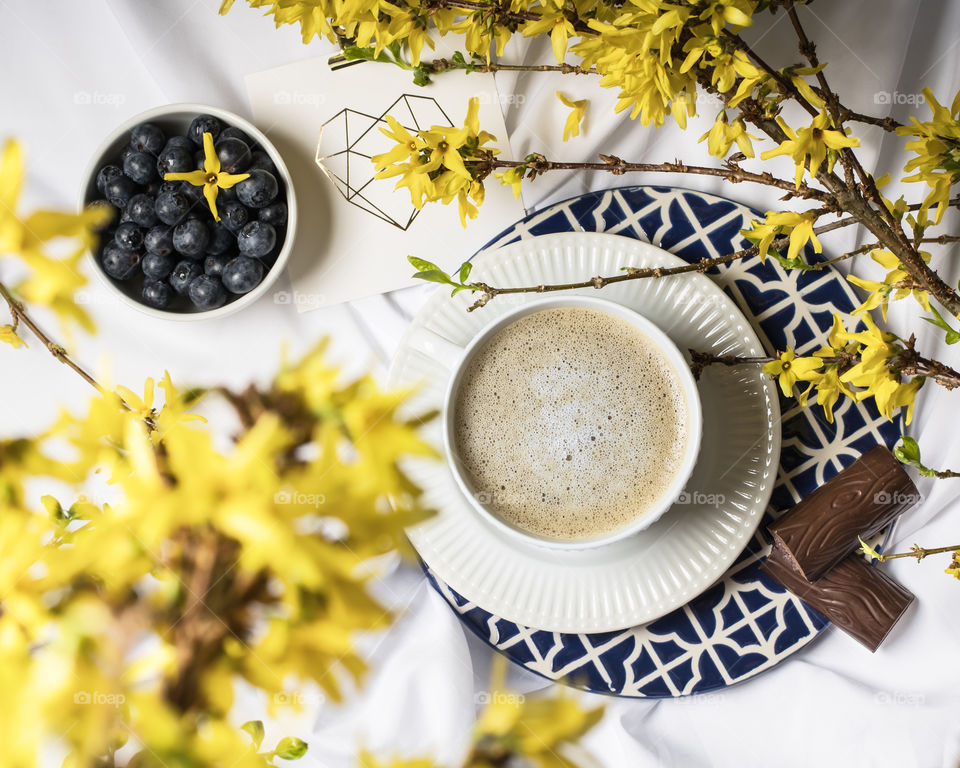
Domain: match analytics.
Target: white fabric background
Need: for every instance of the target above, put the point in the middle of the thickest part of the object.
(832, 704)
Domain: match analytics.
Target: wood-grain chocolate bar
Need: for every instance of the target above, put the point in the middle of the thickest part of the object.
(859, 501)
(862, 600)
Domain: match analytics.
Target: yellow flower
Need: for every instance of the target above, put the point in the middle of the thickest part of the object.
(799, 225)
(880, 292)
(723, 135)
(812, 142)
(954, 568)
(789, 369)
(557, 24)
(9, 335)
(572, 126)
(211, 178)
(513, 177)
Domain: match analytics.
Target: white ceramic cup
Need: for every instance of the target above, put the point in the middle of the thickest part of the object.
(458, 358)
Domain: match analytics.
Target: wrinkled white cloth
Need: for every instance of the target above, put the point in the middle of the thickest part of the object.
(75, 70)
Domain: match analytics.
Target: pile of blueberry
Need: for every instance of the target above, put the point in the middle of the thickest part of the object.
(165, 245)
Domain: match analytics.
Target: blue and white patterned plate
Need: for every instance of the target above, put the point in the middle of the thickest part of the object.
(745, 623)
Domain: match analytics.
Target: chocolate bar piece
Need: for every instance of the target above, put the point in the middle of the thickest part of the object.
(860, 599)
(859, 501)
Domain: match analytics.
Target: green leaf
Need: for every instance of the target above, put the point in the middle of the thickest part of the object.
(868, 550)
(422, 265)
(255, 729)
(908, 452)
(291, 748)
(435, 276)
(458, 60)
(465, 271)
(952, 334)
(420, 75)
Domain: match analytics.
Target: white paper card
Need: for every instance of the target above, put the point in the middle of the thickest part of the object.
(349, 249)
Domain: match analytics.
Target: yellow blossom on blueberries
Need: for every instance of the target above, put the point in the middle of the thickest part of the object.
(579, 108)
(789, 369)
(211, 178)
(813, 142)
(799, 225)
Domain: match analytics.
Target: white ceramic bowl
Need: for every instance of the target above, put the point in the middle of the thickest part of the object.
(175, 118)
(665, 346)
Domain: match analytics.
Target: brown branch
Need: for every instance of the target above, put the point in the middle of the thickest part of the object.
(19, 314)
(538, 164)
(919, 552)
(437, 66)
(488, 292)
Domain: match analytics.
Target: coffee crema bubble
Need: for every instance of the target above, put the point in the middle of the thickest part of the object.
(570, 423)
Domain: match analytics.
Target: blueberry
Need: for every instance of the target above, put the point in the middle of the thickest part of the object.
(183, 142)
(242, 275)
(213, 265)
(234, 155)
(183, 274)
(171, 208)
(204, 124)
(258, 190)
(230, 132)
(141, 167)
(174, 160)
(147, 137)
(192, 194)
(221, 239)
(200, 160)
(153, 188)
(170, 187)
(128, 236)
(207, 292)
(191, 238)
(256, 239)
(126, 152)
(260, 161)
(227, 194)
(156, 294)
(157, 266)
(142, 210)
(119, 263)
(119, 190)
(106, 173)
(233, 216)
(159, 240)
(274, 214)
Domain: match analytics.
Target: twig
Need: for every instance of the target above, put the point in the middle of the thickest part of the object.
(19, 314)
(437, 66)
(919, 552)
(538, 164)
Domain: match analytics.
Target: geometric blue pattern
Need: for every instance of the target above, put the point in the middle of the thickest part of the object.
(745, 623)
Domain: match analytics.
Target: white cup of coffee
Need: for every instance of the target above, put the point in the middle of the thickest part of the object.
(570, 422)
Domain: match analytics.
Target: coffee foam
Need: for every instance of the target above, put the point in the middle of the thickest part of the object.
(570, 423)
